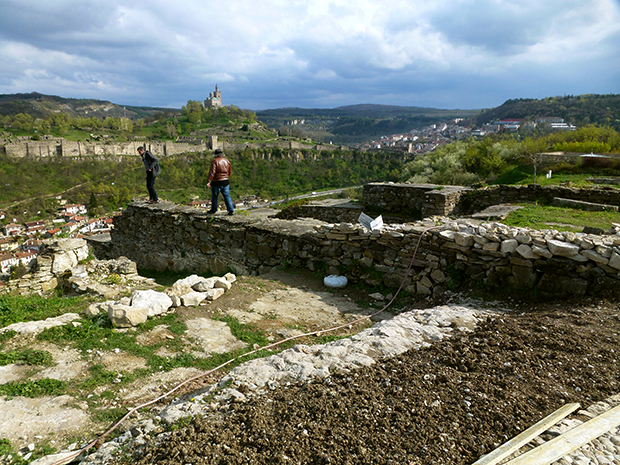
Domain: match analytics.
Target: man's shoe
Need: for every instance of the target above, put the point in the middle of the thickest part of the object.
(210, 212)
(231, 213)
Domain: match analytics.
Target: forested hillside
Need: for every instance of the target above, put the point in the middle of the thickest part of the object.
(580, 110)
(509, 158)
(41, 106)
(31, 185)
(356, 123)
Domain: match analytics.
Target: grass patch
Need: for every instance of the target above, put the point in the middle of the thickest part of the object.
(560, 218)
(16, 309)
(98, 333)
(108, 415)
(5, 447)
(243, 332)
(27, 356)
(5, 336)
(42, 387)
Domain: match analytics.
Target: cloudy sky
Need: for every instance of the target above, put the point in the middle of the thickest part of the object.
(310, 53)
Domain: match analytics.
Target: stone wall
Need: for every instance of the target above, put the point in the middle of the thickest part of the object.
(60, 147)
(447, 252)
(478, 199)
(414, 200)
(424, 200)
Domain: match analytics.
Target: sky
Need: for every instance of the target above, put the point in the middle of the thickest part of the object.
(265, 54)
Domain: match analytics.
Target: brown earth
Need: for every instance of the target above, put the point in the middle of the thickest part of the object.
(447, 404)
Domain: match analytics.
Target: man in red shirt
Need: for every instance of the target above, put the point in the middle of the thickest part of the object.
(219, 175)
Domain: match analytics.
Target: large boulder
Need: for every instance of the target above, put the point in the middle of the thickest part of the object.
(156, 302)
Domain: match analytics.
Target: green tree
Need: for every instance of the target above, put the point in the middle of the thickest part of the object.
(193, 111)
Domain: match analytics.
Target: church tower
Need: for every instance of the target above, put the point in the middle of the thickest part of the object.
(215, 99)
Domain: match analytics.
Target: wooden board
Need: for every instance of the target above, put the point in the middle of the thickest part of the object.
(526, 436)
(572, 440)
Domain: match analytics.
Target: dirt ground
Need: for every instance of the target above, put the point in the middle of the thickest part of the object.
(281, 304)
(447, 404)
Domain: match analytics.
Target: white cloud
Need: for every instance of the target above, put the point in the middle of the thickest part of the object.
(314, 52)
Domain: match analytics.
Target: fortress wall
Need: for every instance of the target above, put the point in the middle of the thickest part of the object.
(65, 148)
(550, 263)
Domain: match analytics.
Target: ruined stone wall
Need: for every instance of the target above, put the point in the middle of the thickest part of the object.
(64, 148)
(414, 200)
(478, 199)
(550, 263)
(423, 200)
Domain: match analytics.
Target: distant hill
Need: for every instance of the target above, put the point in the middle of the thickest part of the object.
(579, 110)
(357, 123)
(347, 124)
(40, 106)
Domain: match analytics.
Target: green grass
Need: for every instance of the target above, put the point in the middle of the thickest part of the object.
(15, 309)
(243, 332)
(43, 387)
(560, 218)
(26, 356)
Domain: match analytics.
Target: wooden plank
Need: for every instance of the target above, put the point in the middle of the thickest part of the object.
(571, 440)
(526, 436)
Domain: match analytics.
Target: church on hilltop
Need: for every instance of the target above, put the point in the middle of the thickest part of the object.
(215, 99)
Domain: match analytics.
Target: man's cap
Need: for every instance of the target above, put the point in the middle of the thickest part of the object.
(217, 151)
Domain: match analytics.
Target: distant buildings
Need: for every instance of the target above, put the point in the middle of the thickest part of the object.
(73, 222)
(514, 124)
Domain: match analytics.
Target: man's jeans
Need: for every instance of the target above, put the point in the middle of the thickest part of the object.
(150, 185)
(215, 190)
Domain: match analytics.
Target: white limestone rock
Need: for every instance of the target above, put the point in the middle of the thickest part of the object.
(595, 257)
(614, 260)
(221, 283)
(214, 294)
(509, 245)
(126, 316)
(527, 252)
(156, 302)
(183, 286)
(204, 285)
(561, 248)
(193, 299)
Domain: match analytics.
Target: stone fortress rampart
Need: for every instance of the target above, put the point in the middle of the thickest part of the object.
(447, 251)
(60, 147)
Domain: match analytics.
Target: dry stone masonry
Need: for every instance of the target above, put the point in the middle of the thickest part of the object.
(442, 252)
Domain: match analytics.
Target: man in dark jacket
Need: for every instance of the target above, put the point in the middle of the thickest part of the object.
(219, 175)
(151, 164)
